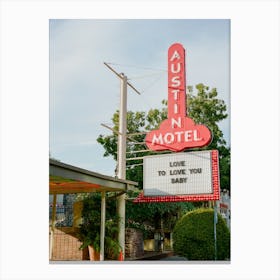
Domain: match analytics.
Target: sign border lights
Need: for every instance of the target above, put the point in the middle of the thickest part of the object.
(215, 195)
(178, 132)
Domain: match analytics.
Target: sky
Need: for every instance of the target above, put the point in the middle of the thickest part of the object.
(84, 93)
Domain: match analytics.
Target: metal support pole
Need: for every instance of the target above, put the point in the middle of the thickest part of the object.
(215, 232)
(52, 226)
(122, 160)
(161, 235)
(102, 228)
(121, 163)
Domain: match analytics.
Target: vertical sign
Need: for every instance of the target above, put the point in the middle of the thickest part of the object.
(176, 84)
(177, 132)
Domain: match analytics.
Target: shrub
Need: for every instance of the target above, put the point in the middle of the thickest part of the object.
(194, 236)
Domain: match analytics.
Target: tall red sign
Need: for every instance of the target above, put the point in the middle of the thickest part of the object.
(178, 132)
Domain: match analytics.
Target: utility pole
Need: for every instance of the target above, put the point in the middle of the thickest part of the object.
(121, 154)
(121, 165)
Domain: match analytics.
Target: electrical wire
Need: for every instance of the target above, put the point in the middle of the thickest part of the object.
(136, 66)
(152, 83)
(145, 76)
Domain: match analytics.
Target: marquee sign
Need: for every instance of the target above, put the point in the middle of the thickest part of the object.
(178, 132)
(192, 176)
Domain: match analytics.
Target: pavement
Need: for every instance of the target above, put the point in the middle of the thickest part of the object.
(158, 256)
(173, 258)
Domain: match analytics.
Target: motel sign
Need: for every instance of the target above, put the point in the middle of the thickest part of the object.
(191, 176)
(177, 132)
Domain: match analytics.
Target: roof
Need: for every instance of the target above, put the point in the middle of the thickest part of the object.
(65, 178)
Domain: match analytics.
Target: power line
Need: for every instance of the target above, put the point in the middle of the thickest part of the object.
(137, 66)
(147, 75)
(152, 83)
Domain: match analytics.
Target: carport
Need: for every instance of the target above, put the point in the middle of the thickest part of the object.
(68, 179)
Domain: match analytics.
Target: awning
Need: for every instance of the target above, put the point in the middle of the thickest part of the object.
(65, 178)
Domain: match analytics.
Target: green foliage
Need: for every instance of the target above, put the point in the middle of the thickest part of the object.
(156, 116)
(135, 123)
(194, 236)
(224, 163)
(205, 108)
(147, 216)
(90, 228)
(146, 229)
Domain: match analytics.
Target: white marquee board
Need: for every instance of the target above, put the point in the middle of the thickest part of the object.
(178, 174)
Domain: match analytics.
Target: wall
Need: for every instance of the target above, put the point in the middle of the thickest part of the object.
(65, 242)
(66, 245)
(134, 245)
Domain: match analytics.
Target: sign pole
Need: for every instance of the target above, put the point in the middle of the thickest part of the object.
(102, 227)
(215, 229)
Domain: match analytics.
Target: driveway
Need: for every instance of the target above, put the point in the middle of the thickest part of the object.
(173, 258)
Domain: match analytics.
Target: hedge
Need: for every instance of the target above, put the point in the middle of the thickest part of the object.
(193, 236)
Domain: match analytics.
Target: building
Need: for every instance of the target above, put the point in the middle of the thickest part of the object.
(67, 179)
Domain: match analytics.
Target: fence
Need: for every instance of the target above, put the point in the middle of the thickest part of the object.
(63, 238)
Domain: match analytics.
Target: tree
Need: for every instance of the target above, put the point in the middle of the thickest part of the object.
(204, 107)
